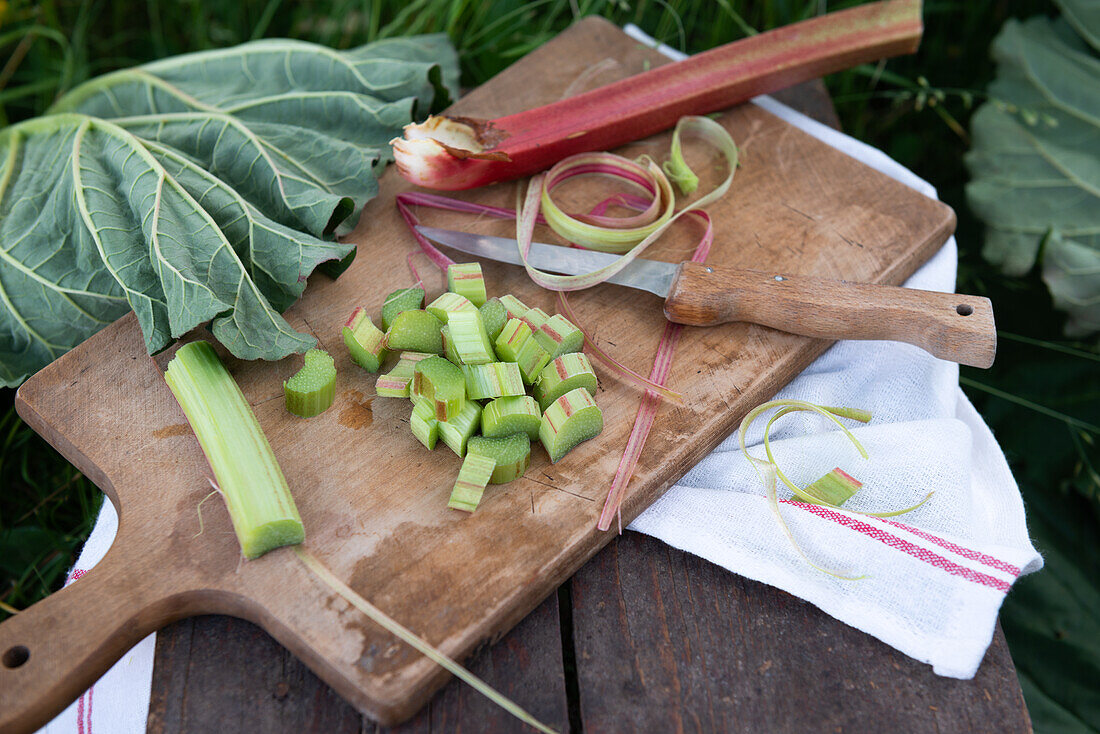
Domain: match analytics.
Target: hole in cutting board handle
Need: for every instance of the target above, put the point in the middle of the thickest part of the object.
(964, 309)
(16, 656)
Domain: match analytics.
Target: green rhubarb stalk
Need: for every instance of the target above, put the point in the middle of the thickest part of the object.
(405, 299)
(450, 303)
(441, 383)
(494, 380)
(449, 350)
(567, 372)
(535, 318)
(466, 280)
(471, 341)
(571, 419)
(417, 331)
(247, 474)
(470, 486)
(516, 344)
(558, 335)
(424, 424)
(515, 307)
(458, 430)
(365, 342)
(511, 338)
(493, 315)
(505, 416)
(511, 454)
(532, 359)
(397, 382)
(769, 471)
(312, 389)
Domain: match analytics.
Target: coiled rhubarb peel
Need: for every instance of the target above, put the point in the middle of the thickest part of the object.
(453, 153)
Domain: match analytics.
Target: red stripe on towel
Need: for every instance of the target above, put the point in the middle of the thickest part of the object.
(954, 548)
(893, 541)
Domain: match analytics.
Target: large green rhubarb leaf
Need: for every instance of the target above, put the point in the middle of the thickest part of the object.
(1050, 617)
(204, 187)
(1035, 162)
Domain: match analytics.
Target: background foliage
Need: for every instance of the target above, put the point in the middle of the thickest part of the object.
(1042, 398)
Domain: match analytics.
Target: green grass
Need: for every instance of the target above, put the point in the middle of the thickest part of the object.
(1042, 397)
(47, 510)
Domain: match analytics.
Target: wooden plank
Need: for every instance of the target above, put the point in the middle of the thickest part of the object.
(798, 207)
(216, 673)
(666, 641)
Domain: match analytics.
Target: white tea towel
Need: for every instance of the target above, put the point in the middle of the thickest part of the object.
(965, 546)
(935, 577)
(118, 703)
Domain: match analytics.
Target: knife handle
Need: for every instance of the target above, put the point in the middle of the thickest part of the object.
(950, 326)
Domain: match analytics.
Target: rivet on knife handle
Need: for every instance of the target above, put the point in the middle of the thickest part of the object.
(950, 326)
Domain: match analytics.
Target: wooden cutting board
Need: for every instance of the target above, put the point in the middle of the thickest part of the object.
(373, 500)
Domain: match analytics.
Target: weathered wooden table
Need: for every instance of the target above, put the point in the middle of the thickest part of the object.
(643, 638)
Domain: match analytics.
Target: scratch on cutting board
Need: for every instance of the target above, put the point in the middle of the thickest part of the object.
(799, 211)
(559, 489)
(854, 243)
(313, 332)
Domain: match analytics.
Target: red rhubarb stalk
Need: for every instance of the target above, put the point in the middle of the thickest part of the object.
(460, 153)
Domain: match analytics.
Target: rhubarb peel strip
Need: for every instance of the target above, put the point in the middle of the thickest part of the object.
(631, 241)
(831, 413)
(769, 471)
(410, 638)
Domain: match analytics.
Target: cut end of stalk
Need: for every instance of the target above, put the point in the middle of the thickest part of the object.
(443, 384)
(467, 280)
(572, 419)
(418, 331)
(470, 486)
(275, 534)
(312, 389)
(508, 415)
(458, 430)
(404, 299)
(448, 153)
(365, 342)
(511, 454)
(424, 424)
(494, 316)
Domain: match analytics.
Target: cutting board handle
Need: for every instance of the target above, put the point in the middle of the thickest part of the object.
(950, 326)
(53, 651)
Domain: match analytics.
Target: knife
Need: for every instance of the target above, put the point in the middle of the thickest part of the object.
(958, 328)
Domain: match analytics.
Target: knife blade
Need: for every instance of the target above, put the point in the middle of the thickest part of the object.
(647, 275)
(950, 326)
